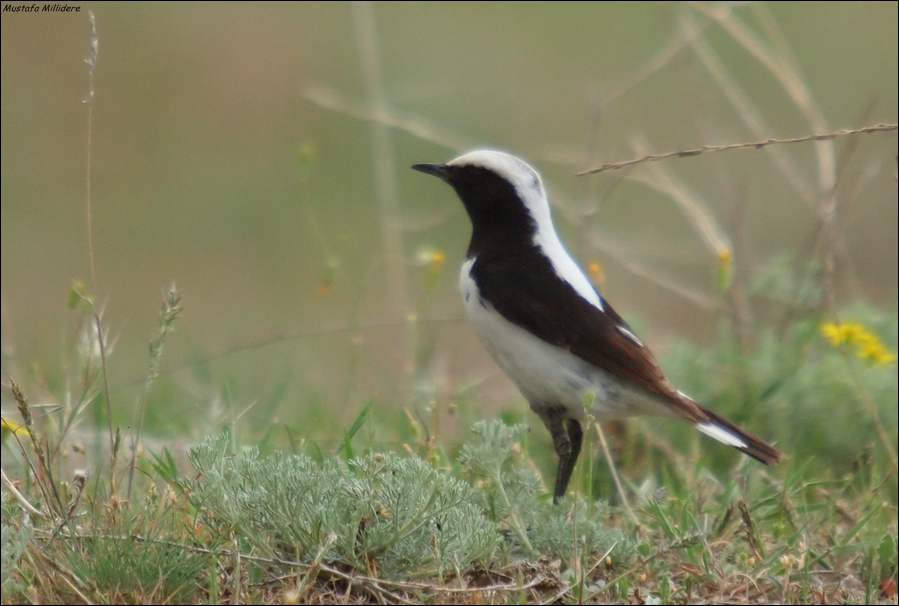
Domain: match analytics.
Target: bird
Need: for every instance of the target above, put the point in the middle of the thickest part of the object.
(545, 324)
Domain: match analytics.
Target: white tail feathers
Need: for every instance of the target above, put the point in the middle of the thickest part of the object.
(721, 434)
(724, 431)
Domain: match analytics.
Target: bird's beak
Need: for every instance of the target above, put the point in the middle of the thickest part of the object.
(438, 170)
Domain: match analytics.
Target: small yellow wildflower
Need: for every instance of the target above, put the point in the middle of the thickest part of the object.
(870, 348)
(833, 333)
(433, 259)
(596, 272)
(723, 274)
(867, 344)
(11, 427)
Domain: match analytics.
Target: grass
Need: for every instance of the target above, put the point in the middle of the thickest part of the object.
(475, 524)
(392, 510)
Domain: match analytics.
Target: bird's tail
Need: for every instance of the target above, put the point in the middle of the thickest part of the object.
(728, 433)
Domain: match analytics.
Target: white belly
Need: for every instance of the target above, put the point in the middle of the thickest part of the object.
(547, 375)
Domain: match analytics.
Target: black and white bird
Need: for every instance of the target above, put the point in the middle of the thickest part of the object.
(545, 324)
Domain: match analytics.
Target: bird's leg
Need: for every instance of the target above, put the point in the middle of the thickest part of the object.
(568, 450)
(567, 439)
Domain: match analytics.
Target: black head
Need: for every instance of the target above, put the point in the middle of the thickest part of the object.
(504, 197)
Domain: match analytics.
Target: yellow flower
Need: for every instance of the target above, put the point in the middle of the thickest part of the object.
(723, 274)
(833, 333)
(870, 348)
(432, 259)
(596, 273)
(11, 427)
(867, 344)
(853, 332)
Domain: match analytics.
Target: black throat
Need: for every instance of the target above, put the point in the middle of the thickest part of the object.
(499, 218)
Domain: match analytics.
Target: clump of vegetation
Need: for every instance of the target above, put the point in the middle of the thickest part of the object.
(513, 494)
(379, 512)
(243, 520)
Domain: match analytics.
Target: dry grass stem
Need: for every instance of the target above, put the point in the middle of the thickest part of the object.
(751, 145)
(419, 127)
(611, 463)
(20, 498)
(748, 112)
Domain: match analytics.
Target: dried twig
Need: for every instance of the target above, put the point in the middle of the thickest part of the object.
(23, 502)
(611, 463)
(751, 145)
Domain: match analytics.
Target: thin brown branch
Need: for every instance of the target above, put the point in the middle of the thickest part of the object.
(751, 145)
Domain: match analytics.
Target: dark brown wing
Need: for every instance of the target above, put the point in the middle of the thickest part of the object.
(527, 292)
(525, 289)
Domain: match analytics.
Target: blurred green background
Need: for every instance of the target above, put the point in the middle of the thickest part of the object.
(230, 155)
